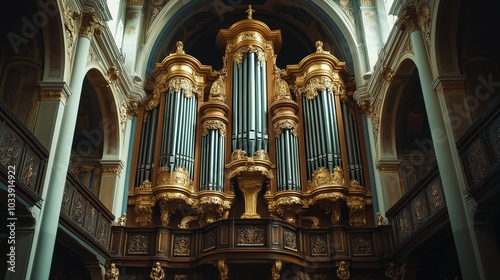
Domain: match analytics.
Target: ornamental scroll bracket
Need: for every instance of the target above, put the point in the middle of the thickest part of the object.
(329, 191)
(172, 190)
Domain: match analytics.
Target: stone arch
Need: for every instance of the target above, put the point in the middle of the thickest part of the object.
(96, 136)
(55, 33)
(387, 137)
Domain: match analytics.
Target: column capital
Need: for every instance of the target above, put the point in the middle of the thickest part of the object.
(445, 84)
(90, 24)
(408, 18)
(54, 91)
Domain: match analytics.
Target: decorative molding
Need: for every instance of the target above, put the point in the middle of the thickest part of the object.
(387, 73)
(54, 95)
(223, 269)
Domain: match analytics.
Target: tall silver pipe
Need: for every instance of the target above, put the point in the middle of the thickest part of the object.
(263, 84)
(236, 120)
(251, 103)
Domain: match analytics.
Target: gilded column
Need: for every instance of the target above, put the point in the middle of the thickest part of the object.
(57, 178)
(452, 179)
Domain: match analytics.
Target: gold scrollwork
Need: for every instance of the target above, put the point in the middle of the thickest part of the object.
(214, 125)
(240, 53)
(285, 124)
(218, 89)
(190, 89)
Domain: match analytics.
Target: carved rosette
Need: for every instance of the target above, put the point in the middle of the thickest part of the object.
(329, 191)
(357, 200)
(172, 191)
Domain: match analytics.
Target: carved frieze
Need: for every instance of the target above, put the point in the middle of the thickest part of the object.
(29, 172)
(362, 246)
(289, 240)
(10, 147)
(138, 244)
(478, 162)
(182, 245)
(78, 208)
(209, 240)
(318, 245)
(250, 236)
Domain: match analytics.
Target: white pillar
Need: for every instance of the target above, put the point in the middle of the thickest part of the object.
(446, 153)
(49, 220)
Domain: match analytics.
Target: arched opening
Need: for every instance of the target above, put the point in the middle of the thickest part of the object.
(88, 141)
(413, 137)
(21, 61)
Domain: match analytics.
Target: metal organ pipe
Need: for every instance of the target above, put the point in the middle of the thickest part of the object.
(249, 105)
(146, 149)
(355, 165)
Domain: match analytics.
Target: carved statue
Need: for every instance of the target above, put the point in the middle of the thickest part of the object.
(343, 271)
(157, 272)
(392, 272)
(112, 273)
(223, 270)
(122, 220)
(380, 219)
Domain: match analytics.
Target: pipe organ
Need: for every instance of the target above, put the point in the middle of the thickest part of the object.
(251, 140)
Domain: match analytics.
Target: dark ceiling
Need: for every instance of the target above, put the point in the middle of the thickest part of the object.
(197, 26)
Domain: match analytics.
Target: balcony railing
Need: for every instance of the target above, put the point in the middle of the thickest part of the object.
(85, 215)
(480, 152)
(243, 239)
(22, 156)
(415, 211)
